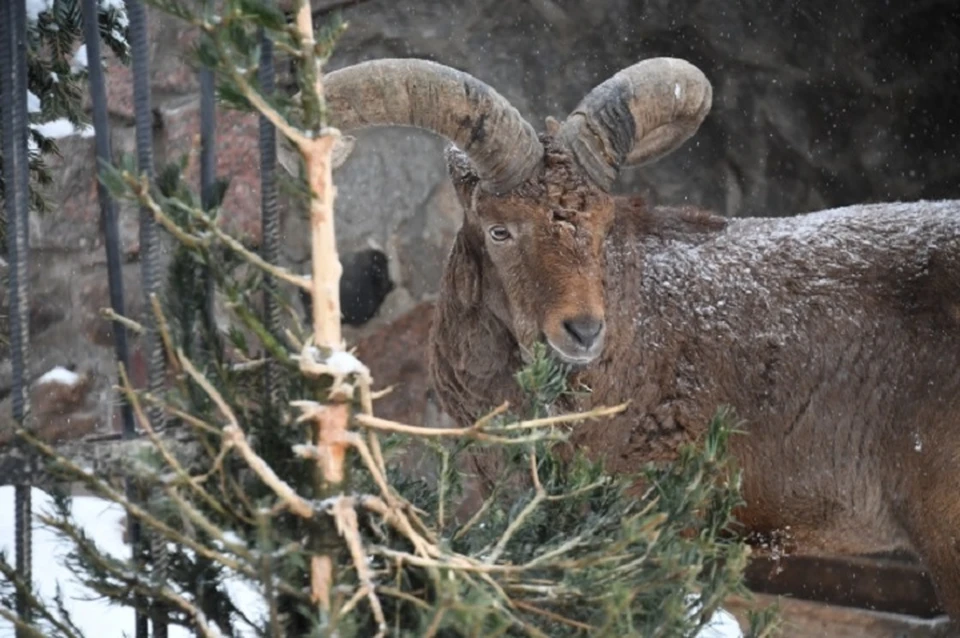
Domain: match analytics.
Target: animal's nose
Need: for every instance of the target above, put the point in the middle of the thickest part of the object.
(584, 330)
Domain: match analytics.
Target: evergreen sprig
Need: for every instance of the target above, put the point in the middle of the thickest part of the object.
(58, 81)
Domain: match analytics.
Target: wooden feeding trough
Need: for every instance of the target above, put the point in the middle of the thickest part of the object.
(886, 596)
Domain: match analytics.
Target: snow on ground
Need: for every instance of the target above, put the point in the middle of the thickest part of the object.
(36, 7)
(722, 625)
(103, 521)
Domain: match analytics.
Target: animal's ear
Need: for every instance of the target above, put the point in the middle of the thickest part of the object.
(553, 125)
(462, 173)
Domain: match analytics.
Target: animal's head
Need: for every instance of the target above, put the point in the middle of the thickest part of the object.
(537, 207)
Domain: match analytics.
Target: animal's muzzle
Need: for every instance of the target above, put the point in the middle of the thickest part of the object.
(581, 339)
(584, 330)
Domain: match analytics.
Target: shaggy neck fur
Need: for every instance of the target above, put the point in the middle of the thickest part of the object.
(468, 342)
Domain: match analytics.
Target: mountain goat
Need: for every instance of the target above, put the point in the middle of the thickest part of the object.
(834, 335)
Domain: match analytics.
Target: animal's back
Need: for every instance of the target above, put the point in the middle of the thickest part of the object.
(835, 336)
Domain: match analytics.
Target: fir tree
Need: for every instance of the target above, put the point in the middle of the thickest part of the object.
(56, 77)
(261, 499)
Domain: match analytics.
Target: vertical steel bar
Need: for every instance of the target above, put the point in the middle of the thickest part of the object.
(208, 177)
(13, 67)
(149, 248)
(16, 198)
(269, 216)
(108, 216)
(108, 212)
(149, 253)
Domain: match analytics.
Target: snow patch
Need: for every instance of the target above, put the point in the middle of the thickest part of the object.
(233, 538)
(62, 127)
(36, 7)
(79, 59)
(722, 624)
(120, 7)
(33, 102)
(344, 363)
(103, 523)
(60, 375)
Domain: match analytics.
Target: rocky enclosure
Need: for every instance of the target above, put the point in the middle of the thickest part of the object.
(816, 104)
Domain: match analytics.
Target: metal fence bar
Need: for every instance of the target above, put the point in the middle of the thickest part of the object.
(108, 216)
(149, 256)
(108, 213)
(208, 178)
(13, 67)
(269, 216)
(149, 238)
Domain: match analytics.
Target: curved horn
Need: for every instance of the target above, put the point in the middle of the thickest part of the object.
(639, 115)
(503, 147)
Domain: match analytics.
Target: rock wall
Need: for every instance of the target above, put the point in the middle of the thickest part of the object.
(816, 104)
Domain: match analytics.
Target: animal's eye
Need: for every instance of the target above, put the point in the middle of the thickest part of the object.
(499, 233)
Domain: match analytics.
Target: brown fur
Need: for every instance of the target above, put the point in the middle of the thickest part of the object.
(835, 337)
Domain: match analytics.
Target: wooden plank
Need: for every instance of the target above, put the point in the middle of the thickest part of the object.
(808, 619)
(882, 584)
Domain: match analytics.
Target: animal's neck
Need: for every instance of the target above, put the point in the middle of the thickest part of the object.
(636, 231)
(473, 355)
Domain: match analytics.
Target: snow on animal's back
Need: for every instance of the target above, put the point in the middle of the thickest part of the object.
(754, 264)
(854, 231)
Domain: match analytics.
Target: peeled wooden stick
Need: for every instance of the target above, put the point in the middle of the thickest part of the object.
(318, 157)
(330, 426)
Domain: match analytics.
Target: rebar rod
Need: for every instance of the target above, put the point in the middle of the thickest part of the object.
(108, 216)
(15, 124)
(149, 259)
(269, 215)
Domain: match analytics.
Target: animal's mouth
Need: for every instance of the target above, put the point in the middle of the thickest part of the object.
(577, 357)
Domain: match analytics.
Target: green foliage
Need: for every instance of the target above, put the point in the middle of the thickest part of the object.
(58, 82)
(654, 564)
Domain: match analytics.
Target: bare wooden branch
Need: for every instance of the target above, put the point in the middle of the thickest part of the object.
(481, 431)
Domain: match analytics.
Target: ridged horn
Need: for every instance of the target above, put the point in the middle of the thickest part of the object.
(502, 146)
(638, 116)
